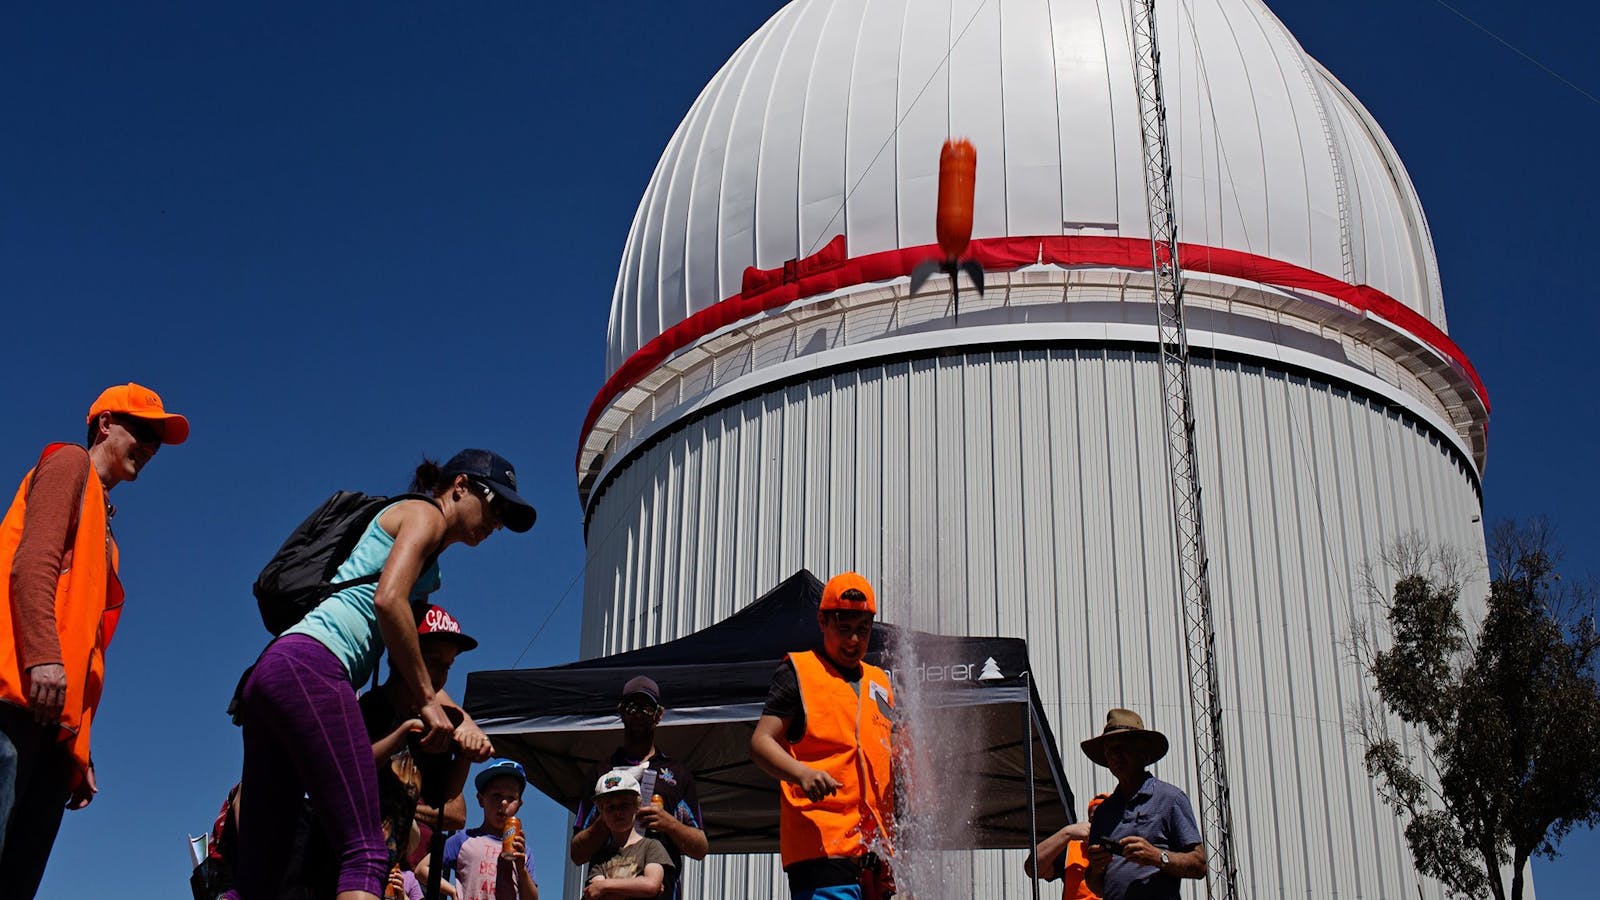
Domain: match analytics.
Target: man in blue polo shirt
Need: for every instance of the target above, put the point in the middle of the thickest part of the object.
(1149, 823)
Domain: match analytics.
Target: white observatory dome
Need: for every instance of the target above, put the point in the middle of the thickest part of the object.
(778, 398)
(827, 124)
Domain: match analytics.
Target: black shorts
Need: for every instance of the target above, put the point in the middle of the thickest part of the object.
(811, 874)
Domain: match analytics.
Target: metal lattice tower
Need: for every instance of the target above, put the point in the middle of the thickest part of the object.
(1205, 705)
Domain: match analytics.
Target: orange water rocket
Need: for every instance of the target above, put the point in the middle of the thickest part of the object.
(958, 173)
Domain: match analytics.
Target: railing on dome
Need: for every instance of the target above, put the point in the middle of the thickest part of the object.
(1205, 703)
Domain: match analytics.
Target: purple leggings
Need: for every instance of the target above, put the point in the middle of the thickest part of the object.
(303, 734)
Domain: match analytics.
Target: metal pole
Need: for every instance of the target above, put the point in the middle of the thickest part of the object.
(436, 855)
(1027, 769)
(1189, 540)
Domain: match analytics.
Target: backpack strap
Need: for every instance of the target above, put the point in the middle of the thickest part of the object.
(427, 561)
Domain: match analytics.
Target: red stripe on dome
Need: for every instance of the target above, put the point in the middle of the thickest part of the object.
(829, 270)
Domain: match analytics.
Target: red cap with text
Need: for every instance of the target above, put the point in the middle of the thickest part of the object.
(440, 625)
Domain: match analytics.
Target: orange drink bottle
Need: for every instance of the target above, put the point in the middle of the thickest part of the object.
(655, 800)
(513, 828)
(389, 890)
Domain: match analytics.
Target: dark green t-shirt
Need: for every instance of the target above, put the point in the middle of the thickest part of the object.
(630, 860)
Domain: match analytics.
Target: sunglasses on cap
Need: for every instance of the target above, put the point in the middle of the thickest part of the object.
(490, 498)
(143, 431)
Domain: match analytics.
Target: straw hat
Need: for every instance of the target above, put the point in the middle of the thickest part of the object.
(1125, 725)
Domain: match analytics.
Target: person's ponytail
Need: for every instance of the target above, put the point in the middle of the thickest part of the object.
(429, 478)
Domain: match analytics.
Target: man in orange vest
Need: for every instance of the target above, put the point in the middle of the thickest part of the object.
(825, 735)
(59, 604)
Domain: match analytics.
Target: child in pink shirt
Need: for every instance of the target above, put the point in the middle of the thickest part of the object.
(482, 871)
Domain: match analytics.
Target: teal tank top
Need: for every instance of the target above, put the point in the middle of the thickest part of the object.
(347, 622)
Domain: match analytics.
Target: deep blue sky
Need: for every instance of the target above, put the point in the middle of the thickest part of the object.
(341, 236)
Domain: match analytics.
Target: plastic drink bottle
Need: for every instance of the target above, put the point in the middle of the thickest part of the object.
(513, 828)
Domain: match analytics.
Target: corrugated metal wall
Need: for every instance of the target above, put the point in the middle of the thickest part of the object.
(1025, 493)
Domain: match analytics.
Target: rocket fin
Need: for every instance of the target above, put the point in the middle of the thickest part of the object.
(921, 274)
(975, 272)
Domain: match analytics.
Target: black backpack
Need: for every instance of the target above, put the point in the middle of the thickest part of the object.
(299, 576)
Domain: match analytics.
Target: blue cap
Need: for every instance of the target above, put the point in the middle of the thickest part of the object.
(497, 472)
(498, 768)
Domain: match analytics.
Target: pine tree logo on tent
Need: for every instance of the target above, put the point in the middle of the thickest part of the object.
(991, 671)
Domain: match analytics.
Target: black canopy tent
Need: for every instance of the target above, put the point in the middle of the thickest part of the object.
(559, 721)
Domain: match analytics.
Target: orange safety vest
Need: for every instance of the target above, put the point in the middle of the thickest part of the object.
(847, 736)
(1073, 873)
(88, 605)
(1075, 869)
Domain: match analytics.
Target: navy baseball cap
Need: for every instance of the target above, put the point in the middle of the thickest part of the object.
(643, 685)
(498, 768)
(497, 472)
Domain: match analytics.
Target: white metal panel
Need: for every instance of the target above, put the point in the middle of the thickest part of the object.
(778, 173)
(1033, 172)
(624, 331)
(1025, 493)
(1283, 107)
(1133, 216)
(650, 318)
(702, 244)
(1012, 505)
(677, 192)
(1321, 164)
(823, 139)
(1229, 123)
(922, 115)
(977, 108)
(737, 197)
(1394, 236)
(1083, 49)
(871, 170)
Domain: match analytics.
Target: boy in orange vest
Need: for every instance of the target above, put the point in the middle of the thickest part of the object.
(825, 735)
(59, 604)
(1065, 857)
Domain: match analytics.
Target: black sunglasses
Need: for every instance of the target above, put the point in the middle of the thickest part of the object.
(638, 706)
(143, 431)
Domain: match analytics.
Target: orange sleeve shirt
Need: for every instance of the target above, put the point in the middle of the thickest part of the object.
(43, 552)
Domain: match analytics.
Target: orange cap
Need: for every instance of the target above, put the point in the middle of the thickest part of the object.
(833, 595)
(1095, 803)
(142, 403)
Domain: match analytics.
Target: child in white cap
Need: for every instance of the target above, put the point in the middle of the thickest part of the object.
(630, 864)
